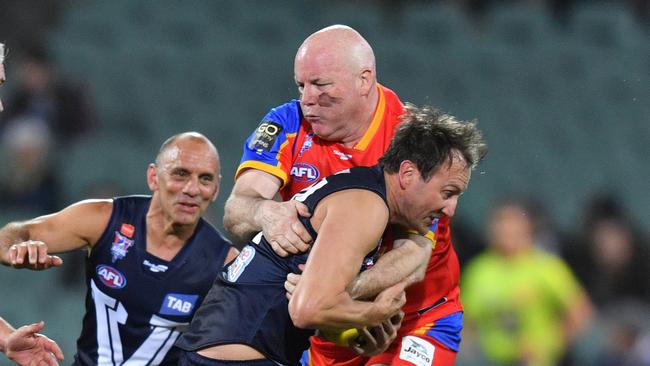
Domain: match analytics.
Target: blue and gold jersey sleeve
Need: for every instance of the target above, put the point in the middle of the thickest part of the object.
(269, 147)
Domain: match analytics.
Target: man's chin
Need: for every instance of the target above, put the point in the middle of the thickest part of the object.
(186, 219)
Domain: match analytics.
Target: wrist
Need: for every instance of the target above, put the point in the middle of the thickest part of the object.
(260, 207)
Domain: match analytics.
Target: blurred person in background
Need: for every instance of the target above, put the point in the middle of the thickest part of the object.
(29, 184)
(610, 255)
(522, 303)
(626, 326)
(24, 345)
(42, 93)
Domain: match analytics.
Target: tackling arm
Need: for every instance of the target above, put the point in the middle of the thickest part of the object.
(349, 224)
(407, 261)
(253, 206)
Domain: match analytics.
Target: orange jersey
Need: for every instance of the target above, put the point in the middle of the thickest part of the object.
(285, 146)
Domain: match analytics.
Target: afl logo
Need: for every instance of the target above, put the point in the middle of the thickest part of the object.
(304, 172)
(111, 277)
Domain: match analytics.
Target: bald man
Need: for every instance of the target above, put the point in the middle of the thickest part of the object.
(151, 261)
(343, 118)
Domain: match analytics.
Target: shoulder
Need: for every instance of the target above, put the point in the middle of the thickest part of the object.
(92, 206)
(392, 100)
(286, 116)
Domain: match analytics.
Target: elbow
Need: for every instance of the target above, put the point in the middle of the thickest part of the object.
(235, 227)
(229, 223)
(304, 314)
(417, 276)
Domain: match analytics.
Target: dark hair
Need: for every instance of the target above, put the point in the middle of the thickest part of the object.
(429, 137)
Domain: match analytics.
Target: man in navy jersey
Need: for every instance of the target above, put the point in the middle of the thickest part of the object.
(151, 261)
(24, 345)
(246, 318)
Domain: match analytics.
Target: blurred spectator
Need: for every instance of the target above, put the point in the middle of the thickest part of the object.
(610, 256)
(627, 326)
(42, 93)
(467, 241)
(523, 303)
(29, 184)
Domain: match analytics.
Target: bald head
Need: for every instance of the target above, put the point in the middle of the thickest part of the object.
(335, 74)
(175, 142)
(338, 43)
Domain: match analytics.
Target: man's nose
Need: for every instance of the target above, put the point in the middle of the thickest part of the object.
(309, 95)
(450, 208)
(192, 186)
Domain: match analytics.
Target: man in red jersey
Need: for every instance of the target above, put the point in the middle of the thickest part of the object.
(344, 118)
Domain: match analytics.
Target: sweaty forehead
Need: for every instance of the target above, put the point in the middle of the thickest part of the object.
(190, 154)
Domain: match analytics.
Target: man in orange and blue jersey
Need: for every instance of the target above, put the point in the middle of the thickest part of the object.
(343, 118)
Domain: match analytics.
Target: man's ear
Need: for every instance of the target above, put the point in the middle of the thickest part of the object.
(152, 177)
(366, 82)
(216, 193)
(408, 172)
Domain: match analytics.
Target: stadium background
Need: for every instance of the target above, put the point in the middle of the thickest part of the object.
(563, 99)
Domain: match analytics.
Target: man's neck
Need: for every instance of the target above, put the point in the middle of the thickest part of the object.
(164, 237)
(392, 197)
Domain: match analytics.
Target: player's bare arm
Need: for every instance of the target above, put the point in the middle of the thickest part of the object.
(254, 205)
(407, 261)
(29, 244)
(349, 224)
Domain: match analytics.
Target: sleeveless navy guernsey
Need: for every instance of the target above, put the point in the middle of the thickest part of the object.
(247, 303)
(137, 304)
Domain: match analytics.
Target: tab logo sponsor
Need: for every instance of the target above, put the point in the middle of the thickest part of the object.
(178, 304)
(417, 351)
(304, 172)
(110, 276)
